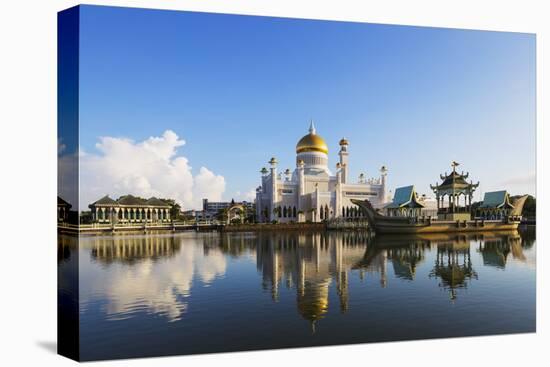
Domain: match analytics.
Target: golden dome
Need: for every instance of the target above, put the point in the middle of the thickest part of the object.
(312, 143)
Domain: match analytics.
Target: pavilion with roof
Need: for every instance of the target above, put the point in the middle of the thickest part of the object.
(129, 209)
(405, 203)
(495, 205)
(63, 209)
(454, 195)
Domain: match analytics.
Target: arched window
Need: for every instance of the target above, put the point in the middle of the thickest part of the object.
(284, 212)
(294, 212)
(321, 212)
(326, 211)
(279, 211)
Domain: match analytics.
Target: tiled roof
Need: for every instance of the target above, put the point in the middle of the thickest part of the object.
(130, 200)
(61, 202)
(106, 200)
(404, 196)
(496, 199)
(156, 202)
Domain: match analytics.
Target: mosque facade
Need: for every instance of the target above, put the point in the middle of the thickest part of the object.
(311, 193)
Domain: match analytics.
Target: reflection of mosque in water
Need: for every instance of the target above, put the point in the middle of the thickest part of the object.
(132, 249)
(312, 262)
(309, 263)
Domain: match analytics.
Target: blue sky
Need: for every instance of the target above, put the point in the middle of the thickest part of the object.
(240, 89)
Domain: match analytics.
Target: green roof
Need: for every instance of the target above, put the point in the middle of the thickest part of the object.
(106, 200)
(156, 202)
(404, 197)
(130, 200)
(496, 199)
(61, 202)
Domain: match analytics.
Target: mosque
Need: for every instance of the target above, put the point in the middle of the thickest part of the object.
(311, 192)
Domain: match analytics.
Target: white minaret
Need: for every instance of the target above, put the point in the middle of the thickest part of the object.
(383, 182)
(344, 159)
(274, 196)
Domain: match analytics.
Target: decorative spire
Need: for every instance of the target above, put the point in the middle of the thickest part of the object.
(454, 164)
(312, 127)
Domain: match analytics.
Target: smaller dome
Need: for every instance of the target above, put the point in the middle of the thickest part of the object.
(344, 141)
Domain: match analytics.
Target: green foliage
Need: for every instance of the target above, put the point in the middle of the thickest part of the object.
(86, 217)
(175, 209)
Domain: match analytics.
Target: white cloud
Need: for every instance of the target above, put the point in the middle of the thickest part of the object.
(159, 287)
(148, 168)
(522, 183)
(249, 196)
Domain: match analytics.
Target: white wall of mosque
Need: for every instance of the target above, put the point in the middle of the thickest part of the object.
(311, 190)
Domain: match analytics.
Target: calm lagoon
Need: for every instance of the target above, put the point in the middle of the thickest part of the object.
(182, 293)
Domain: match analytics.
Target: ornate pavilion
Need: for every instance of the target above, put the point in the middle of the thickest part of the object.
(130, 209)
(459, 194)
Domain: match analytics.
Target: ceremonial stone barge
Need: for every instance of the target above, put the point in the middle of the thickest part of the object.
(454, 210)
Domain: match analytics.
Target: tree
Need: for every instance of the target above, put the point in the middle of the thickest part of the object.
(175, 209)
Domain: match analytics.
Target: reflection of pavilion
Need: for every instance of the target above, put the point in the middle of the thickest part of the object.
(67, 246)
(405, 259)
(453, 265)
(495, 251)
(133, 249)
(310, 263)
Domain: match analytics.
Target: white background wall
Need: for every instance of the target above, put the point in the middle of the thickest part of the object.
(28, 181)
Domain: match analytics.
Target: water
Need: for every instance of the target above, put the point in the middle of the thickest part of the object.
(165, 294)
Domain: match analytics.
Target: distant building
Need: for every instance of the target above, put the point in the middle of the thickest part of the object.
(405, 203)
(216, 206)
(200, 215)
(495, 205)
(311, 192)
(130, 209)
(213, 210)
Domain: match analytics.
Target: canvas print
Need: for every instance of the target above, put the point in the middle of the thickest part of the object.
(231, 183)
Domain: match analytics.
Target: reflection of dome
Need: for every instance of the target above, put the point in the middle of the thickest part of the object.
(312, 143)
(313, 300)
